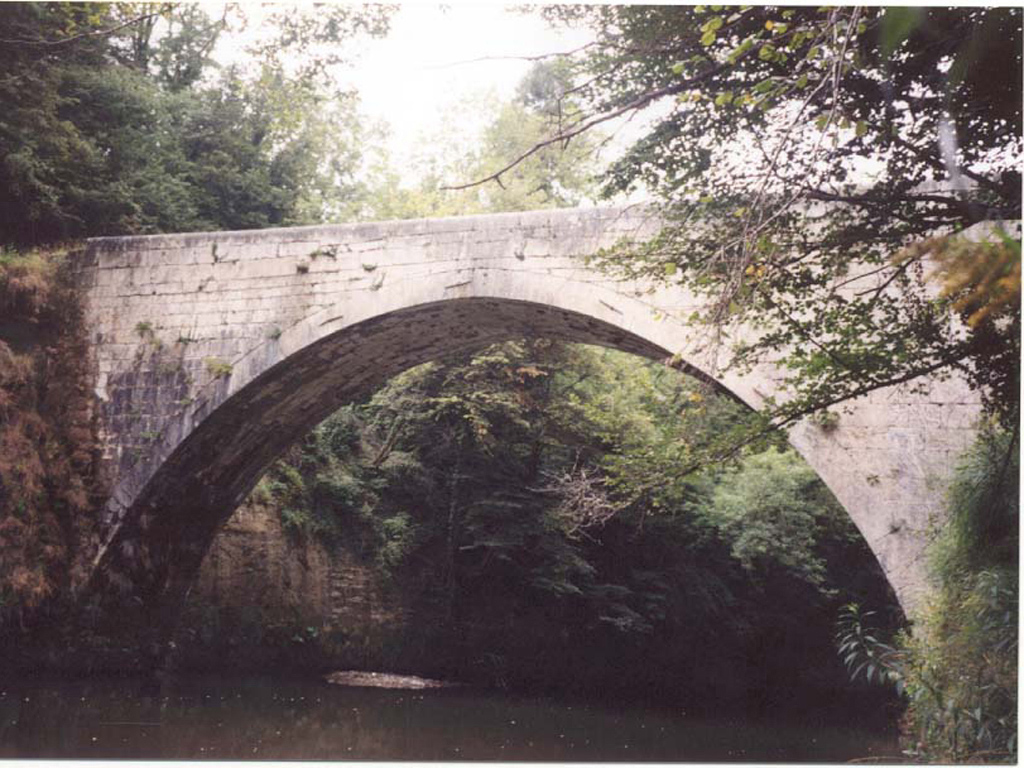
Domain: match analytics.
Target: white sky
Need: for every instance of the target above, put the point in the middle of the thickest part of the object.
(434, 57)
(430, 61)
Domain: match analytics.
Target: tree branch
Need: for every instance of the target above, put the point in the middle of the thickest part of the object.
(635, 105)
(808, 409)
(538, 57)
(93, 33)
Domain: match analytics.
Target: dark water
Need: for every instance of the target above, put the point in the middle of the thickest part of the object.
(264, 718)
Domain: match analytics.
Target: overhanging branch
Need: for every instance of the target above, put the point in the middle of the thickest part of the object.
(640, 102)
(93, 33)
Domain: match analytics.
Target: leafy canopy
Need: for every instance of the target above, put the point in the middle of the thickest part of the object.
(116, 120)
(498, 492)
(795, 155)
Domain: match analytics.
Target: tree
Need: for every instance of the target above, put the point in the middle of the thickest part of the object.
(46, 162)
(803, 151)
(112, 126)
(550, 178)
(773, 508)
(495, 492)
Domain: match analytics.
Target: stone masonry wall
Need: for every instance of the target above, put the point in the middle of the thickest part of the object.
(172, 314)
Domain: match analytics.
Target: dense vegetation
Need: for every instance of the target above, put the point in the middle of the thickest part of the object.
(119, 120)
(109, 128)
(496, 491)
(46, 451)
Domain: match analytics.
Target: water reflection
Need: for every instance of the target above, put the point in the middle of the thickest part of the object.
(266, 718)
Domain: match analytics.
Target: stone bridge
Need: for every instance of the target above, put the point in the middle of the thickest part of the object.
(215, 352)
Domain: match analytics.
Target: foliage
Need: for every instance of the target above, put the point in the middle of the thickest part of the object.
(795, 152)
(217, 368)
(550, 178)
(961, 672)
(112, 128)
(491, 489)
(46, 440)
(305, 44)
(984, 277)
(863, 652)
(774, 510)
(984, 509)
(981, 279)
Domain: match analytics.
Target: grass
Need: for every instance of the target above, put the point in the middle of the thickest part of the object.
(218, 368)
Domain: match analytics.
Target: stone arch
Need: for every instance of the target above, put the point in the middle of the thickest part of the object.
(165, 512)
(446, 286)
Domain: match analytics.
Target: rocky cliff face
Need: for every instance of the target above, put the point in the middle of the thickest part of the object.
(254, 564)
(259, 577)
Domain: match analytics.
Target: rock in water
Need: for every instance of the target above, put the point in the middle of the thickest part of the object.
(383, 680)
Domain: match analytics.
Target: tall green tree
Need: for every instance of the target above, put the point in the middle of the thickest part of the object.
(549, 178)
(117, 120)
(47, 166)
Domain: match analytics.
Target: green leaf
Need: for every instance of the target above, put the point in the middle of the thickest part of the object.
(671, 267)
(713, 24)
(741, 49)
(862, 128)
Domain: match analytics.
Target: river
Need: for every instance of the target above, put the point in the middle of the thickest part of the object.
(231, 718)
